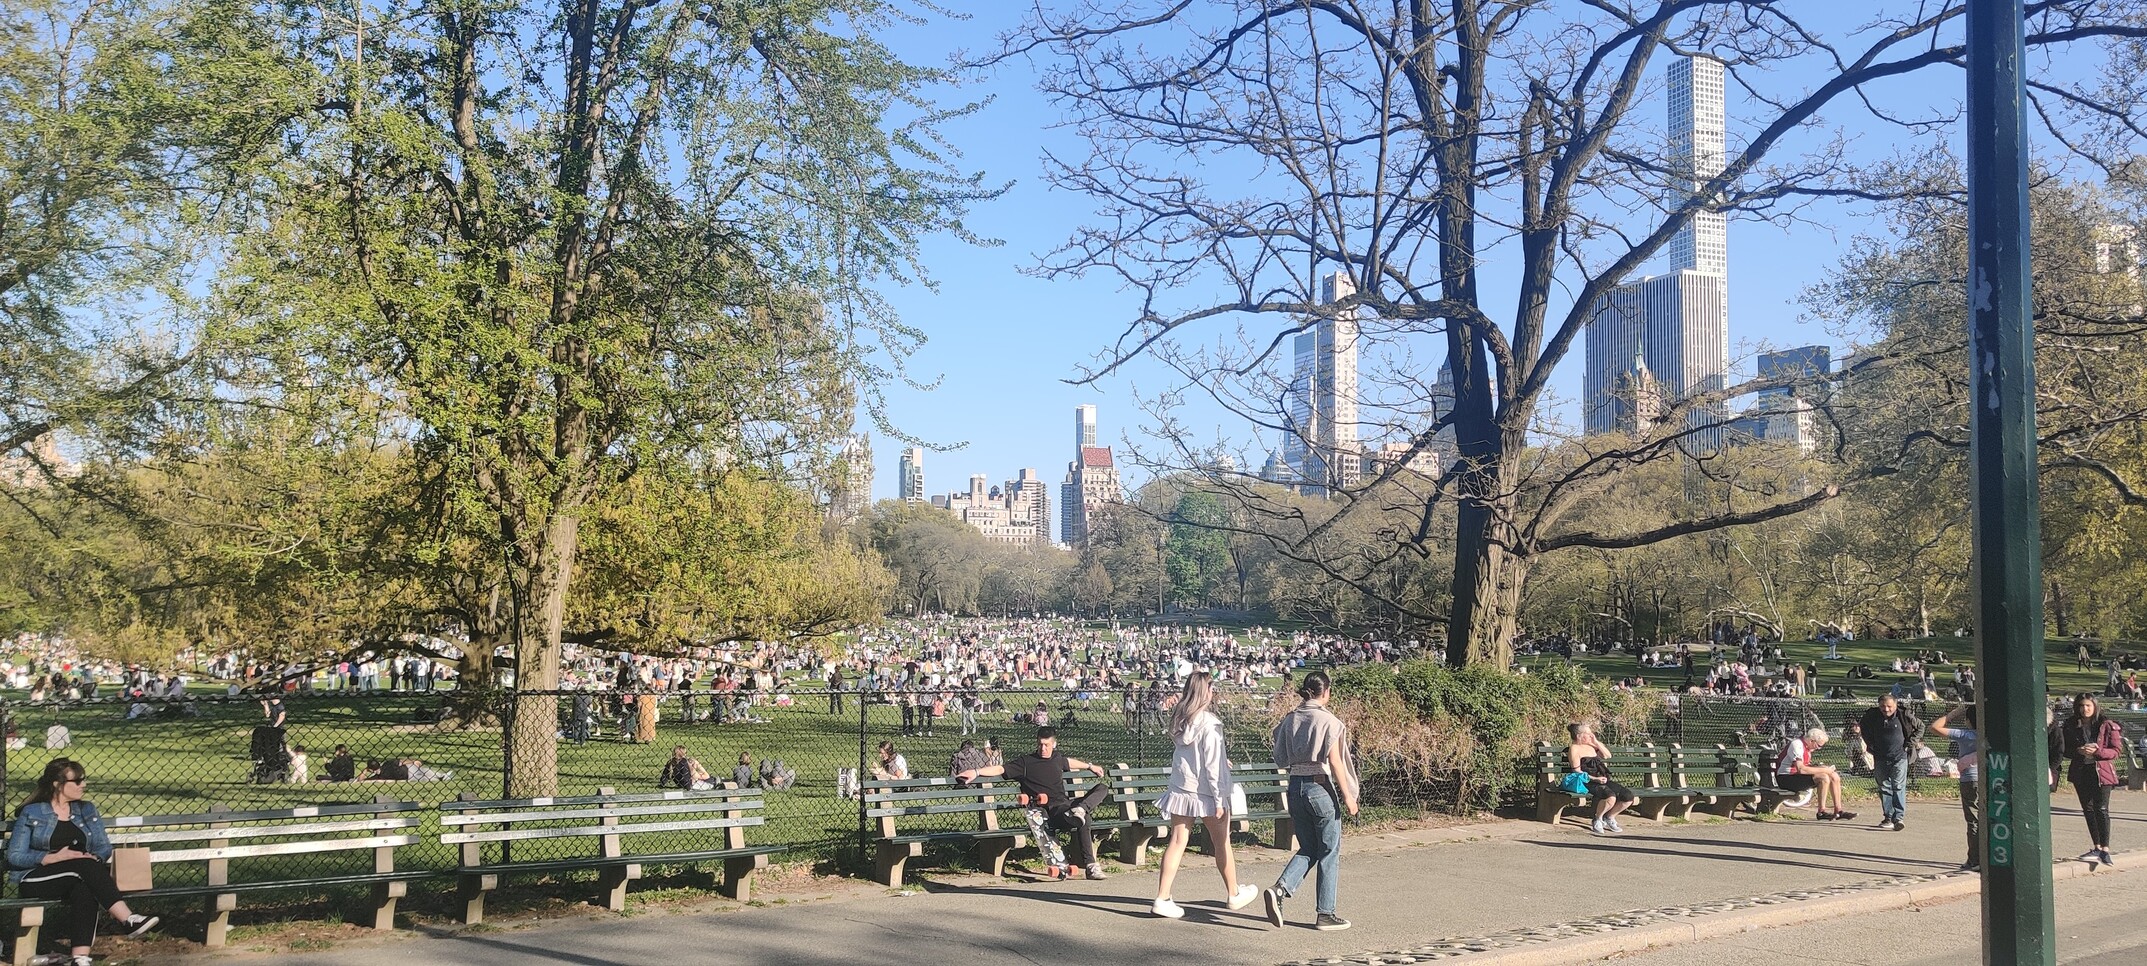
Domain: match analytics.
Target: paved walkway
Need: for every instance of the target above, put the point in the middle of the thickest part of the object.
(1527, 889)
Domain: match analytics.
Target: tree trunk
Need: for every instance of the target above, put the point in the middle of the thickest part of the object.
(2057, 609)
(1487, 592)
(534, 761)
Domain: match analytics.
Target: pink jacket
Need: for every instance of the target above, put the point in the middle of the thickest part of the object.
(2109, 743)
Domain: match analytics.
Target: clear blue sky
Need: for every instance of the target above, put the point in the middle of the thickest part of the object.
(1002, 342)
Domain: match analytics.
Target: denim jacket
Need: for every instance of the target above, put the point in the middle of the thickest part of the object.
(31, 836)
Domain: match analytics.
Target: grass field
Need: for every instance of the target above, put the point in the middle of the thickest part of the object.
(2059, 664)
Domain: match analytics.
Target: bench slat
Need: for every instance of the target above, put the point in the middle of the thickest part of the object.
(596, 813)
(280, 848)
(263, 831)
(264, 815)
(526, 834)
(504, 804)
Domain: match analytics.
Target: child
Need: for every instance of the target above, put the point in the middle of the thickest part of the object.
(298, 765)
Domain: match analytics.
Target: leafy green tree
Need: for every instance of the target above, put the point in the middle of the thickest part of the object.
(572, 245)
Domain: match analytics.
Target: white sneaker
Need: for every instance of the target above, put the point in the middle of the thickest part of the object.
(1614, 826)
(1246, 893)
(1167, 909)
(1599, 827)
(1079, 812)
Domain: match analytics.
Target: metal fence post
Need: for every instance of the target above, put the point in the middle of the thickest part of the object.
(864, 829)
(506, 744)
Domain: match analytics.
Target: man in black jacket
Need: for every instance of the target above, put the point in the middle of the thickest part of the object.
(1890, 733)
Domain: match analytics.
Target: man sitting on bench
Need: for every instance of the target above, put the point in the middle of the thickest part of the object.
(1046, 806)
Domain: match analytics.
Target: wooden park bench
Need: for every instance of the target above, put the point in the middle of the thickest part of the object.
(1144, 825)
(1710, 781)
(28, 918)
(670, 824)
(968, 816)
(1645, 768)
(270, 844)
(957, 814)
(1758, 764)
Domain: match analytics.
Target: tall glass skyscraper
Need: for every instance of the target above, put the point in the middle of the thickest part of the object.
(1678, 322)
(1321, 446)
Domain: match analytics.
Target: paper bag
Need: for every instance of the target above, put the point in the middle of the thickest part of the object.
(130, 869)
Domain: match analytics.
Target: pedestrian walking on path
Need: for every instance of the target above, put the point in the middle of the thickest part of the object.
(1890, 731)
(1313, 747)
(1968, 743)
(1199, 792)
(2092, 741)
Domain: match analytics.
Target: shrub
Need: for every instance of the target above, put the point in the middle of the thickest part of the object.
(1461, 741)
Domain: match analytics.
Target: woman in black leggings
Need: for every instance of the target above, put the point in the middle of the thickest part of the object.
(58, 850)
(2091, 743)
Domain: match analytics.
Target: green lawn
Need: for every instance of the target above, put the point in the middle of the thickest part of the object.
(2059, 664)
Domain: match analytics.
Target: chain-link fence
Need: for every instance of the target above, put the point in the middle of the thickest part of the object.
(806, 747)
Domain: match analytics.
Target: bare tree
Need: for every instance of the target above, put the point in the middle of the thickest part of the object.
(1238, 151)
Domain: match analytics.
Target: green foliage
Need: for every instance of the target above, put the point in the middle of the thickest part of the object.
(1473, 728)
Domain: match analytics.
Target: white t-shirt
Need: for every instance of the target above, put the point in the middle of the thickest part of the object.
(1791, 755)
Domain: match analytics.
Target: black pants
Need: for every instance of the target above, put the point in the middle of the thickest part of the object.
(84, 885)
(1972, 812)
(2095, 804)
(1063, 820)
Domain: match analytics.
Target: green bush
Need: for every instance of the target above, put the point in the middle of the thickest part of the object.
(1469, 733)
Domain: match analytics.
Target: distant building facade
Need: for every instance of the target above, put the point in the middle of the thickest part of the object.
(910, 484)
(1320, 441)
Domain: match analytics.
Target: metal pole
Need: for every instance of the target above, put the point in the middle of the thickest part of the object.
(2018, 917)
(864, 822)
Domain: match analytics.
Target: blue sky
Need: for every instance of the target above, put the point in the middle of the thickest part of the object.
(1002, 343)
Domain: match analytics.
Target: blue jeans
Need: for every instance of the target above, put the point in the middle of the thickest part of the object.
(1319, 840)
(1893, 788)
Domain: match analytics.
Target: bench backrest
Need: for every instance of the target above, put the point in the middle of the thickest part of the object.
(1644, 763)
(1137, 789)
(472, 824)
(889, 799)
(220, 835)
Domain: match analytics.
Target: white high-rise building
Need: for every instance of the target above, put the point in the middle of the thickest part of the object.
(1321, 444)
(911, 481)
(1678, 321)
(847, 500)
(1084, 426)
(1697, 125)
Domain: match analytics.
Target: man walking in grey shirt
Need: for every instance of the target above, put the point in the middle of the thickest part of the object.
(1311, 744)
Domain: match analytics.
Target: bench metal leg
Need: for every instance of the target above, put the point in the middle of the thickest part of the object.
(220, 909)
(1286, 834)
(738, 876)
(28, 920)
(474, 888)
(613, 881)
(887, 865)
(384, 896)
(991, 854)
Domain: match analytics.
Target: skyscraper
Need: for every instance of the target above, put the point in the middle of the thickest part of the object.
(1091, 480)
(911, 482)
(1677, 321)
(1321, 444)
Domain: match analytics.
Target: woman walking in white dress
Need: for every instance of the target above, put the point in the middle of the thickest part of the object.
(1199, 791)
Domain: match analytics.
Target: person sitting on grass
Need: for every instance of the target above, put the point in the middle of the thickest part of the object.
(891, 766)
(684, 771)
(776, 776)
(745, 776)
(1795, 771)
(341, 766)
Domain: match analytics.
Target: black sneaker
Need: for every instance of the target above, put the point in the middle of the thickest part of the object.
(138, 924)
(1274, 907)
(1330, 923)
(1898, 826)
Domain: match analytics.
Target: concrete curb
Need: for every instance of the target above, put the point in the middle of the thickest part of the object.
(1658, 935)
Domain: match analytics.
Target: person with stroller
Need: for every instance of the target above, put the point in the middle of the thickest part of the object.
(57, 851)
